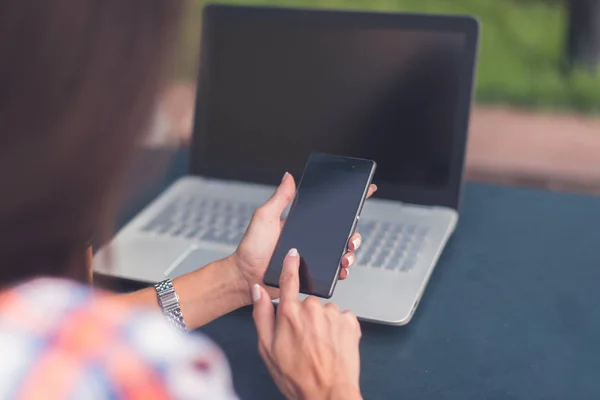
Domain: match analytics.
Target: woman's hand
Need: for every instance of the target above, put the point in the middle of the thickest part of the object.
(223, 286)
(311, 350)
(256, 248)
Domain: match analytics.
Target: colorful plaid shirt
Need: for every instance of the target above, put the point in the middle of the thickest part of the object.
(60, 340)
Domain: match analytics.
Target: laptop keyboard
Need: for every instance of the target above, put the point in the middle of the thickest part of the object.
(211, 220)
(390, 246)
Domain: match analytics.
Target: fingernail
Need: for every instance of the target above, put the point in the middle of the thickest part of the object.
(347, 272)
(351, 259)
(356, 242)
(293, 252)
(284, 176)
(256, 292)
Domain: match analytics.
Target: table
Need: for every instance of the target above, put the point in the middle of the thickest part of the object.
(512, 310)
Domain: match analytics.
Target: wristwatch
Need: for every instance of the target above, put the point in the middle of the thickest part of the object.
(169, 302)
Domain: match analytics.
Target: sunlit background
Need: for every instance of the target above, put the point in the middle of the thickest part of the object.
(536, 118)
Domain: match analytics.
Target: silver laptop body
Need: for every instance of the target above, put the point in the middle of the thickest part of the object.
(237, 156)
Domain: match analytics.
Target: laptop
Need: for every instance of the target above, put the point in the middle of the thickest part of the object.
(278, 83)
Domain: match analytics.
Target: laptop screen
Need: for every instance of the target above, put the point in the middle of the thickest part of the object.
(275, 90)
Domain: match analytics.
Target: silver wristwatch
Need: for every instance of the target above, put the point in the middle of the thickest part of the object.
(169, 302)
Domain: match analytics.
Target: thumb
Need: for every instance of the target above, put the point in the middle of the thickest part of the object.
(264, 316)
(282, 196)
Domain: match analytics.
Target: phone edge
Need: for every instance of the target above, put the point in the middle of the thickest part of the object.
(353, 229)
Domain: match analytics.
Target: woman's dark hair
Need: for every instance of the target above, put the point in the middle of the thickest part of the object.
(78, 83)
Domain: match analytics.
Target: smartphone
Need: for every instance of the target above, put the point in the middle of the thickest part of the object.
(321, 219)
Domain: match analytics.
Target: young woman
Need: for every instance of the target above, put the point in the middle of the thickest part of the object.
(78, 83)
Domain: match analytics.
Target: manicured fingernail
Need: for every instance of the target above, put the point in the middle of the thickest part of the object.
(255, 292)
(356, 242)
(347, 272)
(284, 176)
(351, 259)
(293, 252)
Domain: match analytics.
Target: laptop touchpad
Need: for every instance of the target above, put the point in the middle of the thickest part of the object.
(194, 258)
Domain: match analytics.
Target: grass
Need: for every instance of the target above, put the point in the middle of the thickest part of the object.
(520, 53)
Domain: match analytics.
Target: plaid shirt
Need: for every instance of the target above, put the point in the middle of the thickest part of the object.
(60, 340)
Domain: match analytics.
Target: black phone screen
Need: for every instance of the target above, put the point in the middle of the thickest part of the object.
(321, 219)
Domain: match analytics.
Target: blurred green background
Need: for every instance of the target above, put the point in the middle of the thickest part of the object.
(521, 50)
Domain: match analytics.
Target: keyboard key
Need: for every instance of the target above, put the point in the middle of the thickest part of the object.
(215, 236)
(164, 229)
(401, 245)
(365, 229)
(422, 231)
(379, 259)
(178, 231)
(365, 255)
(408, 264)
(391, 266)
(150, 227)
(418, 245)
(192, 233)
(234, 239)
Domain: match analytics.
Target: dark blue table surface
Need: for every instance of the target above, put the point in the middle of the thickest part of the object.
(512, 310)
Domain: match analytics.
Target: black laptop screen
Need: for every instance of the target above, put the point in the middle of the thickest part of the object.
(275, 91)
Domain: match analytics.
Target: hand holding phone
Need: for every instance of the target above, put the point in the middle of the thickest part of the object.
(322, 218)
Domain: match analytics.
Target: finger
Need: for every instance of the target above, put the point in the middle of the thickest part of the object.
(282, 196)
(355, 241)
(264, 316)
(289, 282)
(351, 318)
(344, 272)
(332, 307)
(348, 259)
(372, 189)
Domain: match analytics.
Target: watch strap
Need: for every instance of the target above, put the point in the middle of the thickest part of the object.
(169, 303)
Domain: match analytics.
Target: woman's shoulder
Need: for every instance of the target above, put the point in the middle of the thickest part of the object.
(62, 339)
